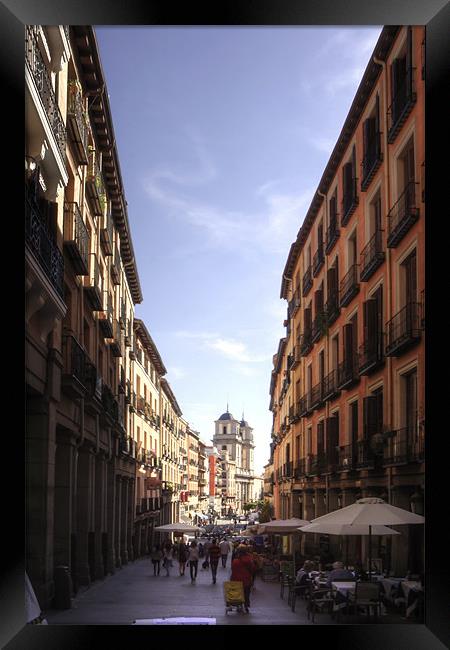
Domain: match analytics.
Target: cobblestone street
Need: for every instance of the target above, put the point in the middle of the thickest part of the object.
(134, 593)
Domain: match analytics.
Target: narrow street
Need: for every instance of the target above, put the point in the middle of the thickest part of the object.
(134, 593)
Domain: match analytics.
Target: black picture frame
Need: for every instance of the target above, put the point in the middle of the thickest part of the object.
(435, 633)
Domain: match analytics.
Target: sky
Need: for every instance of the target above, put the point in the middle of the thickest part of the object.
(223, 134)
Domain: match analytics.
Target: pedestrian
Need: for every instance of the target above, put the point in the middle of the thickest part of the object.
(224, 550)
(242, 570)
(156, 556)
(182, 557)
(193, 560)
(201, 552)
(214, 555)
(206, 546)
(168, 558)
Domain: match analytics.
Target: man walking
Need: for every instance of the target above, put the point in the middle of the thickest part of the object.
(224, 550)
(214, 554)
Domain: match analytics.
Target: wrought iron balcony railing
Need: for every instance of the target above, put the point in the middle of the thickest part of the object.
(115, 267)
(332, 308)
(332, 234)
(372, 256)
(371, 160)
(371, 354)
(307, 281)
(330, 385)
(75, 377)
(402, 215)
(319, 326)
(93, 284)
(316, 395)
(107, 234)
(349, 286)
(318, 260)
(94, 183)
(306, 344)
(76, 238)
(404, 329)
(348, 372)
(106, 317)
(347, 458)
(42, 80)
(402, 103)
(349, 203)
(44, 249)
(116, 340)
(77, 122)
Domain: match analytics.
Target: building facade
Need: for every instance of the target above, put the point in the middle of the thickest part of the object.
(347, 388)
(236, 437)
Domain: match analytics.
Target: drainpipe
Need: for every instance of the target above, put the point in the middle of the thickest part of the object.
(390, 382)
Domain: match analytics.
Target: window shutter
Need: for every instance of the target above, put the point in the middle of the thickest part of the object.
(372, 322)
(409, 63)
(394, 86)
(348, 344)
(318, 300)
(379, 413)
(366, 140)
(332, 435)
(377, 125)
(369, 415)
(320, 438)
(353, 187)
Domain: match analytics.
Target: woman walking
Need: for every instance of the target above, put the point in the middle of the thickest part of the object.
(242, 570)
(214, 555)
(168, 558)
(193, 561)
(156, 559)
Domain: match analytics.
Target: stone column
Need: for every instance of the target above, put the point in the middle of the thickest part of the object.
(118, 521)
(130, 522)
(40, 454)
(124, 522)
(100, 514)
(111, 516)
(84, 513)
(64, 488)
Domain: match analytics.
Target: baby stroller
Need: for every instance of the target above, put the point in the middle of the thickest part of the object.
(234, 595)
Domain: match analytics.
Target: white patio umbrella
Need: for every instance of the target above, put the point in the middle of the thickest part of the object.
(347, 529)
(282, 527)
(178, 527)
(370, 511)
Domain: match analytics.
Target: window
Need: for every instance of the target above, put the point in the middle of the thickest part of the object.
(349, 194)
(408, 280)
(353, 423)
(373, 413)
(371, 145)
(402, 94)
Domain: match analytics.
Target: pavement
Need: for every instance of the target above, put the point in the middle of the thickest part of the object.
(133, 592)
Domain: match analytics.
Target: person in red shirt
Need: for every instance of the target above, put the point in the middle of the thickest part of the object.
(242, 570)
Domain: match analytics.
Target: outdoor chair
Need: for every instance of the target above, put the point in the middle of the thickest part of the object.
(298, 591)
(367, 598)
(284, 582)
(319, 600)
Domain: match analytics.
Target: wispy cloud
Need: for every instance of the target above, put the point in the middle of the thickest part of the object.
(177, 372)
(235, 350)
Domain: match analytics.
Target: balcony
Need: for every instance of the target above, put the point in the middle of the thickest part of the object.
(349, 203)
(365, 455)
(76, 238)
(348, 372)
(77, 122)
(107, 234)
(402, 215)
(402, 104)
(93, 285)
(372, 256)
(115, 267)
(332, 308)
(105, 317)
(403, 330)
(75, 378)
(43, 84)
(123, 316)
(346, 458)
(349, 286)
(318, 260)
(371, 160)
(42, 246)
(319, 326)
(330, 385)
(332, 234)
(319, 465)
(95, 187)
(300, 468)
(307, 282)
(302, 405)
(404, 446)
(129, 333)
(371, 354)
(109, 404)
(294, 304)
(306, 344)
(316, 395)
(115, 343)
